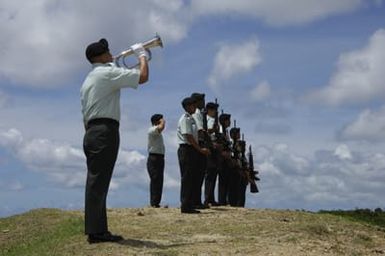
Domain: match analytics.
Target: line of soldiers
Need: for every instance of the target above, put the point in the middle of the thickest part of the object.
(207, 150)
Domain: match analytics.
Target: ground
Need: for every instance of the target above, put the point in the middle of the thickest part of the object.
(217, 231)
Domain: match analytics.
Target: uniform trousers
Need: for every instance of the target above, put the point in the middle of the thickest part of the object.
(242, 192)
(198, 177)
(187, 165)
(213, 162)
(155, 169)
(100, 145)
(234, 185)
(223, 182)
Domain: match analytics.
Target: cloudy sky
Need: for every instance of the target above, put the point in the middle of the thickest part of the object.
(304, 79)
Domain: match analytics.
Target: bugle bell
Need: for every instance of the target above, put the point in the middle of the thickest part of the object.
(154, 42)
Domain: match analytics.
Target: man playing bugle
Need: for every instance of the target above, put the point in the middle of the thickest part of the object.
(100, 99)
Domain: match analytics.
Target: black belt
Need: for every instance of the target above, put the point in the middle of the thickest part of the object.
(185, 145)
(156, 154)
(102, 121)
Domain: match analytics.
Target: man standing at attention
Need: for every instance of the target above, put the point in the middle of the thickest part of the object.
(187, 136)
(100, 99)
(155, 160)
(199, 175)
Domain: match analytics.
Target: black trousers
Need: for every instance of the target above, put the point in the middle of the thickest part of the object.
(223, 182)
(198, 177)
(242, 192)
(155, 169)
(187, 165)
(211, 176)
(100, 145)
(234, 186)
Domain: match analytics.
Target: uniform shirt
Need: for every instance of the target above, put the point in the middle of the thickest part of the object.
(155, 141)
(224, 131)
(186, 125)
(100, 92)
(198, 117)
(210, 125)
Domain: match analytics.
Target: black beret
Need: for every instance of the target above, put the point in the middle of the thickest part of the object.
(212, 105)
(155, 118)
(187, 101)
(198, 96)
(224, 117)
(234, 131)
(96, 49)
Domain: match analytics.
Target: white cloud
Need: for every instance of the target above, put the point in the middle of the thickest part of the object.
(13, 185)
(359, 76)
(4, 99)
(233, 59)
(43, 41)
(11, 139)
(369, 126)
(66, 164)
(278, 12)
(261, 91)
(343, 152)
(336, 178)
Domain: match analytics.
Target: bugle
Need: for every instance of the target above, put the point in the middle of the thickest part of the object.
(154, 42)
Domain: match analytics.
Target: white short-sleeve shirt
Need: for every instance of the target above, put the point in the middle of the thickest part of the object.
(210, 125)
(198, 117)
(100, 92)
(186, 125)
(155, 141)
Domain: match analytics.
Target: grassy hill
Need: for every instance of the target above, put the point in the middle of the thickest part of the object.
(217, 231)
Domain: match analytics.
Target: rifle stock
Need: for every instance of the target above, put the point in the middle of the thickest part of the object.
(252, 173)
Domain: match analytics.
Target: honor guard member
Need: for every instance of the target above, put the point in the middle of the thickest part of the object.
(235, 168)
(100, 100)
(223, 174)
(243, 176)
(155, 160)
(199, 175)
(187, 136)
(212, 160)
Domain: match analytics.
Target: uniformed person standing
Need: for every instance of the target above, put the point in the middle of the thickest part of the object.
(223, 174)
(199, 175)
(187, 136)
(155, 160)
(213, 160)
(100, 99)
(235, 168)
(243, 177)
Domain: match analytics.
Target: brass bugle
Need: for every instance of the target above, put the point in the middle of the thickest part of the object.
(154, 42)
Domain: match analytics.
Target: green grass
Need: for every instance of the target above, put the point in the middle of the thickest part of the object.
(235, 231)
(374, 218)
(39, 232)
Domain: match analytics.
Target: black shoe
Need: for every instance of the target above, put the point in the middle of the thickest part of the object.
(201, 206)
(191, 211)
(103, 237)
(209, 204)
(155, 206)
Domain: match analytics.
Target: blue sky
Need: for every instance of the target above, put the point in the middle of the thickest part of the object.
(303, 78)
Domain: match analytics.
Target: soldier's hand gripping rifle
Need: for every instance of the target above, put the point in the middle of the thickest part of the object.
(252, 173)
(221, 137)
(238, 149)
(216, 122)
(207, 143)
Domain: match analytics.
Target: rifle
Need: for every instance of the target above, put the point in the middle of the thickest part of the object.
(207, 143)
(221, 138)
(216, 122)
(238, 150)
(252, 173)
